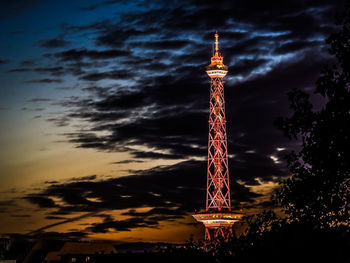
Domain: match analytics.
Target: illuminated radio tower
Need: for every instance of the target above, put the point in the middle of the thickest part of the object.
(218, 218)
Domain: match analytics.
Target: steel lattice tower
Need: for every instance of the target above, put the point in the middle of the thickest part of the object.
(218, 218)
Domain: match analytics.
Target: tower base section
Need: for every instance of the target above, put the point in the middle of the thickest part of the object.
(218, 225)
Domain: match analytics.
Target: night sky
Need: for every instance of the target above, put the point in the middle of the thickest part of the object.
(104, 109)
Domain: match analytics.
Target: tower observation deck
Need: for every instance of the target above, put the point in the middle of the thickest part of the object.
(218, 218)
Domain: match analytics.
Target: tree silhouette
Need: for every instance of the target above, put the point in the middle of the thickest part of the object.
(318, 192)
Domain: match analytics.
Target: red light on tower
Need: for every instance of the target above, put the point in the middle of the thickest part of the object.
(218, 218)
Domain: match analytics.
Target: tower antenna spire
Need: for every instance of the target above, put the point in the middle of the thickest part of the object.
(216, 43)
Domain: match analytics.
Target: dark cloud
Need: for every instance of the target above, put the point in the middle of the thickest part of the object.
(296, 46)
(172, 192)
(75, 54)
(46, 80)
(161, 45)
(246, 66)
(3, 61)
(6, 203)
(56, 42)
(122, 225)
(32, 109)
(65, 221)
(54, 217)
(39, 100)
(155, 155)
(27, 63)
(102, 4)
(176, 124)
(174, 121)
(50, 182)
(21, 215)
(52, 70)
(115, 74)
(108, 32)
(60, 121)
(84, 178)
(41, 200)
(158, 211)
(127, 161)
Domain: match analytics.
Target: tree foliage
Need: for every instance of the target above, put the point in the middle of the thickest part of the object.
(318, 191)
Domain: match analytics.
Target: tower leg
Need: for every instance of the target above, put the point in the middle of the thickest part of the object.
(218, 233)
(207, 235)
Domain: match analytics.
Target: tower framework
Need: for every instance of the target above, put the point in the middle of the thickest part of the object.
(218, 218)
